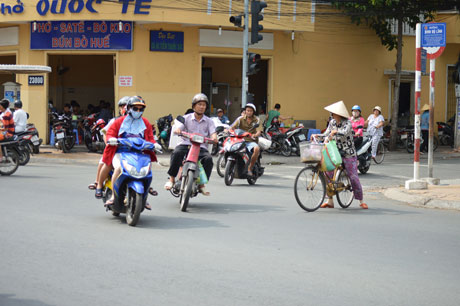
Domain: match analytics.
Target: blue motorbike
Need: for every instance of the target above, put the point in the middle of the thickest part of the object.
(132, 186)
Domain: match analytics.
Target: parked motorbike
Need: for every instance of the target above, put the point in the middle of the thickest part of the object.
(63, 131)
(10, 150)
(188, 180)
(411, 140)
(237, 159)
(93, 137)
(445, 134)
(164, 125)
(285, 140)
(131, 187)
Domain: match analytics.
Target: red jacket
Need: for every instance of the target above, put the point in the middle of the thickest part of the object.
(110, 151)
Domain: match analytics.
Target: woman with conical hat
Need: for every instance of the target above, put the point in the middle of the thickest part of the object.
(375, 123)
(340, 129)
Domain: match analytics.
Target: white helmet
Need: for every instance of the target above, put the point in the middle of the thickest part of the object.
(251, 106)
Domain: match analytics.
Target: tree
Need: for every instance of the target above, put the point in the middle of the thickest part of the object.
(377, 14)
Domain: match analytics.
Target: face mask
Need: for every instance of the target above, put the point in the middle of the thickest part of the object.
(136, 115)
(355, 114)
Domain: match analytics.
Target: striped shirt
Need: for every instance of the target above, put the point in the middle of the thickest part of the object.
(8, 123)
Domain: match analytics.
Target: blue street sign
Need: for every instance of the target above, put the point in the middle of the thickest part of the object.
(433, 34)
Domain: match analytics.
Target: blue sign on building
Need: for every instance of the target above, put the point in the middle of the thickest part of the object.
(433, 35)
(81, 35)
(166, 41)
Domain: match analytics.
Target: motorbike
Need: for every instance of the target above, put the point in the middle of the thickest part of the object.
(364, 154)
(93, 137)
(164, 125)
(10, 149)
(237, 159)
(64, 135)
(131, 187)
(221, 135)
(445, 133)
(285, 140)
(411, 141)
(189, 178)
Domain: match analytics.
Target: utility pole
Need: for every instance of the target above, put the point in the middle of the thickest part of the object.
(245, 80)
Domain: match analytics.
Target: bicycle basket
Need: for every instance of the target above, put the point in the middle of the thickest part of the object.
(310, 152)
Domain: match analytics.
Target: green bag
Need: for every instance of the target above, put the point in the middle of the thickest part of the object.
(331, 157)
(202, 178)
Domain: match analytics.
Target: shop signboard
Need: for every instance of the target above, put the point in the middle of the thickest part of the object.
(166, 41)
(81, 35)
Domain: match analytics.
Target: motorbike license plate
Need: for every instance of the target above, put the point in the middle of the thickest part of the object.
(59, 135)
(404, 136)
(302, 137)
(34, 138)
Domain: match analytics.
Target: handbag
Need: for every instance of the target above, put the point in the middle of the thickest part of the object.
(331, 158)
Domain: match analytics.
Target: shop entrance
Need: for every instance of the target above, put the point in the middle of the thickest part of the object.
(6, 60)
(221, 82)
(86, 79)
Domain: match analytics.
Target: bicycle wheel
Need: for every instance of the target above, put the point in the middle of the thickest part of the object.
(380, 153)
(310, 188)
(345, 195)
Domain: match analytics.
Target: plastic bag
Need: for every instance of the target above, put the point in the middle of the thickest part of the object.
(311, 152)
(202, 178)
(331, 157)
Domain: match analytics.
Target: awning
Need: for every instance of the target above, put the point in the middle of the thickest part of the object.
(24, 69)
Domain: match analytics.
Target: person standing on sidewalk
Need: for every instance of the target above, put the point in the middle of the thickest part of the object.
(375, 128)
(425, 127)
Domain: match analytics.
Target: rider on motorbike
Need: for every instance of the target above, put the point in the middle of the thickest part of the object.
(357, 122)
(131, 125)
(121, 111)
(248, 123)
(196, 122)
(7, 125)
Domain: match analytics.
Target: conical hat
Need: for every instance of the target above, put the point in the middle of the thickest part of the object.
(425, 108)
(338, 108)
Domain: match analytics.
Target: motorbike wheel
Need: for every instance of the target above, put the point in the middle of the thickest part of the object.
(229, 172)
(410, 146)
(88, 141)
(252, 180)
(286, 150)
(69, 142)
(344, 197)
(12, 165)
(220, 165)
(24, 156)
(380, 153)
(62, 146)
(135, 205)
(36, 149)
(297, 152)
(187, 191)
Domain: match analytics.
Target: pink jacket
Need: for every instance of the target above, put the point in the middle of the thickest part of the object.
(355, 123)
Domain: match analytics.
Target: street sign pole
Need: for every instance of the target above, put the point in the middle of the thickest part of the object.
(457, 118)
(244, 79)
(431, 127)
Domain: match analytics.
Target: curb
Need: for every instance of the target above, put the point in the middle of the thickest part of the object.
(431, 201)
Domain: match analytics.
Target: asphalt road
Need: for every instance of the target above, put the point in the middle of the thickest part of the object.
(243, 245)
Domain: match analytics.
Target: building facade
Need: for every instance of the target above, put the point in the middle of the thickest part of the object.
(167, 51)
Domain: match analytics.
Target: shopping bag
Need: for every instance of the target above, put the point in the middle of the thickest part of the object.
(311, 152)
(331, 157)
(202, 178)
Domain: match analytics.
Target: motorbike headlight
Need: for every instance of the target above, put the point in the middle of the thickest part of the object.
(133, 172)
(236, 146)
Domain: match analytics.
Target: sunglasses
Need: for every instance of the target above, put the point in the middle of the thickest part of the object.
(137, 109)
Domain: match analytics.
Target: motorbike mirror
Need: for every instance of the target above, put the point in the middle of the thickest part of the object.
(180, 119)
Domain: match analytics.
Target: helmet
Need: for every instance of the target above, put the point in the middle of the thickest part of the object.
(135, 100)
(18, 103)
(100, 123)
(356, 107)
(123, 101)
(251, 106)
(201, 97)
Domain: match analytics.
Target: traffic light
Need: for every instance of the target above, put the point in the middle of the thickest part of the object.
(236, 20)
(253, 63)
(250, 98)
(256, 17)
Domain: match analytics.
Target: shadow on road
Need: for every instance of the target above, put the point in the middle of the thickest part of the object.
(223, 209)
(169, 223)
(9, 300)
(371, 211)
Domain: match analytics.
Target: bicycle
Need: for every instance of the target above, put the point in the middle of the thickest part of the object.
(312, 184)
(380, 155)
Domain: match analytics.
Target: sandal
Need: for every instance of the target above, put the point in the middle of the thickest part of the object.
(92, 186)
(153, 192)
(363, 206)
(202, 190)
(147, 206)
(98, 193)
(108, 202)
(327, 205)
(168, 185)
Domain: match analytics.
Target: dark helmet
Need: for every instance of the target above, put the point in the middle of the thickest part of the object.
(201, 97)
(18, 104)
(136, 100)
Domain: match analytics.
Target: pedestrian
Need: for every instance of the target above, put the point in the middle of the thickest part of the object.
(341, 130)
(425, 127)
(19, 117)
(375, 124)
(275, 113)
